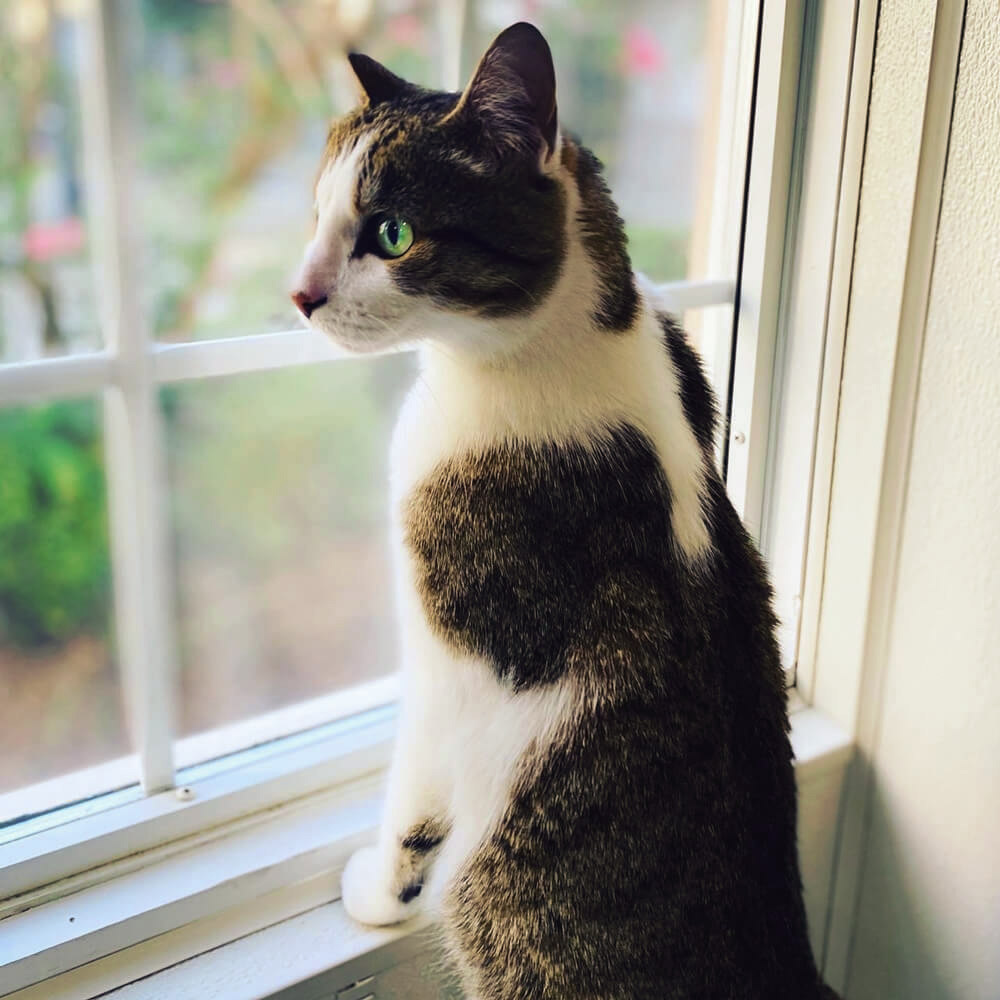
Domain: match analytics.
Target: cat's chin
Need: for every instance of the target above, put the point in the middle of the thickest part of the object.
(356, 341)
(362, 346)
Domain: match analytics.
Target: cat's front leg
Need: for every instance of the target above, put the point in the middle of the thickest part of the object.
(381, 883)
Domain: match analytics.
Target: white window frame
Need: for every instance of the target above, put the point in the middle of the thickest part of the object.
(867, 492)
(804, 296)
(305, 800)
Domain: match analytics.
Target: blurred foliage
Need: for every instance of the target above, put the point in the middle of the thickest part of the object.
(37, 131)
(183, 16)
(53, 526)
(201, 142)
(656, 252)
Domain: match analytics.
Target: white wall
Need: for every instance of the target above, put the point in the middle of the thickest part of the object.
(928, 917)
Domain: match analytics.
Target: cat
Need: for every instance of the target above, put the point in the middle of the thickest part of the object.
(592, 784)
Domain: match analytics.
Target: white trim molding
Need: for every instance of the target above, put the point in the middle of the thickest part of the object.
(258, 856)
(868, 499)
(834, 335)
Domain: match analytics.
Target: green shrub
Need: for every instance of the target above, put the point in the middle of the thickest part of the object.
(54, 564)
(660, 254)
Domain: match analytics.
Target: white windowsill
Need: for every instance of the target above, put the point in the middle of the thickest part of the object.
(251, 912)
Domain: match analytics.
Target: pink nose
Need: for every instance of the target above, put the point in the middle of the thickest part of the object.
(308, 305)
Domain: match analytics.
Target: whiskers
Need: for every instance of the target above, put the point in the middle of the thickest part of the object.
(365, 331)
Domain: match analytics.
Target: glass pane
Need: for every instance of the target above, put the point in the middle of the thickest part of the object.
(279, 506)
(234, 100)
(639, 81)
(47, 302)
(61, 708)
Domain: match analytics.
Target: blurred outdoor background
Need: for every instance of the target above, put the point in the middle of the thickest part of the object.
(277, 480)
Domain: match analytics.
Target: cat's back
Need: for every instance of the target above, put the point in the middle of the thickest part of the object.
(655, 832)
(645, 822)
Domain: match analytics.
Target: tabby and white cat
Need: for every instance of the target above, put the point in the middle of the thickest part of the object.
(592, 783)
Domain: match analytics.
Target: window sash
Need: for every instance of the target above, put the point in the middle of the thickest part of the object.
(128, 372)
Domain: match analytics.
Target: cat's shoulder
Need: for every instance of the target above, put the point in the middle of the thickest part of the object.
(697, 395)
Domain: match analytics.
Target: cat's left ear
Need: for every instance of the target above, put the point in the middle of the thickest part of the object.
(378, 83)
(513, 95)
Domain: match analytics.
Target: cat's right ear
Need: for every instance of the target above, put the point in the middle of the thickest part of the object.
(512, 95)
(378, 83)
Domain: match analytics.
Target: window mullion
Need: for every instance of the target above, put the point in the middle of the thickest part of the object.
(731, 154)
(132, 422)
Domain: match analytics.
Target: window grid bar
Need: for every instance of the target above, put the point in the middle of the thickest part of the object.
(56, 378)
(451, 17)
(195, 359)
(133, 435)
(680, 296)
(289, 348)
(235, 355)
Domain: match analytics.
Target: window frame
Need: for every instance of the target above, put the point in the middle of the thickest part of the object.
(132, 366)
(810, 315)
(87, 845)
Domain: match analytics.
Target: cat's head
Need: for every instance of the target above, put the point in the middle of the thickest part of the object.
(442, 215)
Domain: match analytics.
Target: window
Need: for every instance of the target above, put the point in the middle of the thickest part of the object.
(193, 562)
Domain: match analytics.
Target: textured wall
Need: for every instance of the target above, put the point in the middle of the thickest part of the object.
(929, 924)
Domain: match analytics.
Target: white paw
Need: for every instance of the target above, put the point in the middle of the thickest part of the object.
(366, 892)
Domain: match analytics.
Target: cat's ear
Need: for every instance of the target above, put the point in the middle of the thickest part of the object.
(513, 94)
(378, 83)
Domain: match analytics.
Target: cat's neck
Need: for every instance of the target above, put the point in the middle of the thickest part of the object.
(576, 386)
(561, 382)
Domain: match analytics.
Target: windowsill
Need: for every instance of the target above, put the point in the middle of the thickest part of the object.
(318, 951)
(254, 911)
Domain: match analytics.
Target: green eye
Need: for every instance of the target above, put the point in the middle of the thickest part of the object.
(395, 237)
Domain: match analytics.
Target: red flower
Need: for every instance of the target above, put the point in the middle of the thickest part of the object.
(643, 55)
(44, 241)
